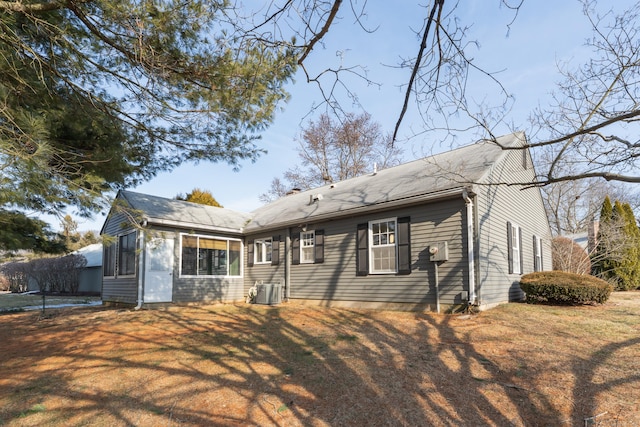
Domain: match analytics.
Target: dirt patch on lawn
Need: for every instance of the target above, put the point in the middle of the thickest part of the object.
(231, 365)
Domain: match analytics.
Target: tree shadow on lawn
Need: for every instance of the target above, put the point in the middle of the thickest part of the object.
(256, 365)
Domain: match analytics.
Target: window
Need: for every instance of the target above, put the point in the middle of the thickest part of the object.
(307, 247)
(384, 246)
(537, 253)
(234, 257)
(514, 238)
(207, 256)
(109, 262)
(263, 250)
(127, 254)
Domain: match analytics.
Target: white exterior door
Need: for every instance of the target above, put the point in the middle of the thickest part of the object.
(158, 271)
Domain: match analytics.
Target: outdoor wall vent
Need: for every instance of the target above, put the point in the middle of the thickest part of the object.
(269, 293)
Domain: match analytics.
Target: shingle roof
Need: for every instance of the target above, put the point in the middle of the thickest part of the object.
(159, 210)
(92, 253)
(423, 179)
(429, 178)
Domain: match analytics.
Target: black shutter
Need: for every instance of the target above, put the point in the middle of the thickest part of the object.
(541, 255)
(319, 247)
(404, 245)
(510, 247)
(295, 249)
(275, 250)
(362, 255)
(250, 253)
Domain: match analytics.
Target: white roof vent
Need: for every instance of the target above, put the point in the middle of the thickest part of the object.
(315, 198)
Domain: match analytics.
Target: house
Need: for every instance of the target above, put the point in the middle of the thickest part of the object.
(450, 229)
(90, 277)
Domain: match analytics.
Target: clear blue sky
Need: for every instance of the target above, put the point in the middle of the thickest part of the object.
(543, 35)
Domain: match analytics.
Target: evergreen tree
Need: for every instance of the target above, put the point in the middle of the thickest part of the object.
(601, 264)
(18, 231)
(617, 255)
(100, 95)
(628, 271)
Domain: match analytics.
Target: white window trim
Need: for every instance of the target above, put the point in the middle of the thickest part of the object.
(312, 247)
(537, 262)
(371, 246)
(228, 239)
(514, 247)
(264, 252)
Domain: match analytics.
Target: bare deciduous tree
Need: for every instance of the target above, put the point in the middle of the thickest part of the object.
(332, 151)
(591, 124)
(569, 256)
(572, 205)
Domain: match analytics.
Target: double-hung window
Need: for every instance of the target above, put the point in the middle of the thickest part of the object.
(263, 251)
(537, 253)
(514, 242)
(383, 246)
(307, 247)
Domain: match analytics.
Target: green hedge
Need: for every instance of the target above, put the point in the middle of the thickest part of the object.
(565, 288)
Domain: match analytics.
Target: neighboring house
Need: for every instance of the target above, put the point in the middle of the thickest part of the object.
(90, 277)
(367, 241)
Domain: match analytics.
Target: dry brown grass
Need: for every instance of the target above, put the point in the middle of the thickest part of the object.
(230, 365)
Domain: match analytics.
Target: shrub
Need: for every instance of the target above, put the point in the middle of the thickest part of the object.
(4, 283)
(57, 274)
(566, 288)
(16, 275)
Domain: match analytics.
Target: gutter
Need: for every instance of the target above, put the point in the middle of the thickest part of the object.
(181, 224)
(471, 243)
(287, 266)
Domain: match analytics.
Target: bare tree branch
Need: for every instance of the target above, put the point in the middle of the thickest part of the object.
(436, 8)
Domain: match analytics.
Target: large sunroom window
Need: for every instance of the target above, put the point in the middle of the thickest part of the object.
(207, 256)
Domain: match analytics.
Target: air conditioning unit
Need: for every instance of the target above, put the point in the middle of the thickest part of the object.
(269, 293)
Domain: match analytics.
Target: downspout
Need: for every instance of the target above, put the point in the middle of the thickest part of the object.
(470, 246)
(287, 265)
(141, 253)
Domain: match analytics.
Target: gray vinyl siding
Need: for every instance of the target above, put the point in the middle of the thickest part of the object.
(90, 280)
(119, 289)
(335, 279)
(210, 289)
(266, 273)
(204, 289)
(497, 206)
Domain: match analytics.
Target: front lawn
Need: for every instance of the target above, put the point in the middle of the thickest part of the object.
(229, 365)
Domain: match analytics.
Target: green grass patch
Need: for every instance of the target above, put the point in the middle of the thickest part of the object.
(16, 302)
(33, 410)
